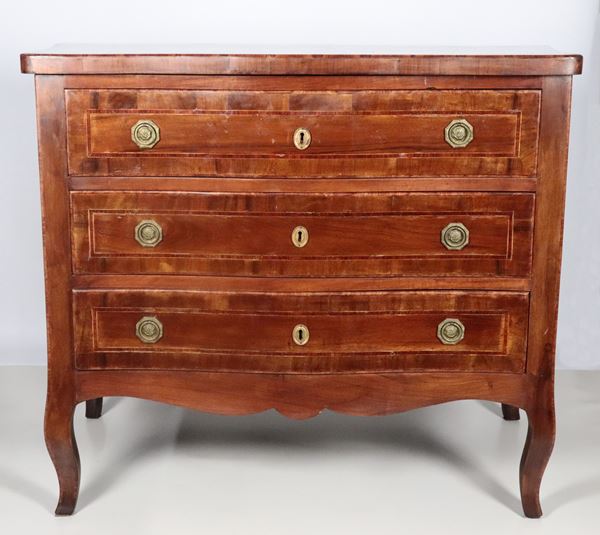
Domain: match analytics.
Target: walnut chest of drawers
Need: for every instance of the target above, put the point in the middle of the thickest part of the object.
(366, 234)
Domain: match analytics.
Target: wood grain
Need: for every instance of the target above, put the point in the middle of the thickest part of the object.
(349, 235)
(296, 284)
(60, 400)
(354, 133)
(158, 82)
(265, 134)
(543, 314)
(305, 64)
(295, 185)
(305, 396)
(227, 187)
(365, 331)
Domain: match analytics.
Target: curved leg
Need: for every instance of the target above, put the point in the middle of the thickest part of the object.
(538, 447)
(62, 447)
(93, 408)
(509, 412)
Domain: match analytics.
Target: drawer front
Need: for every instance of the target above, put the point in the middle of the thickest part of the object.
(351, 133)
(312, 235)
(301, 332)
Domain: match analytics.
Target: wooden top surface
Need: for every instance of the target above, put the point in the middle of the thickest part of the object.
(307, 60)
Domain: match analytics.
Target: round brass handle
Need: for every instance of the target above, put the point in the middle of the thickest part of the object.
(302, 138)
(450, 331)
(459, 133)
(300, 334)
(149, 330)
(300, 236)
(145, 134)
(148, 233)
(455, 236)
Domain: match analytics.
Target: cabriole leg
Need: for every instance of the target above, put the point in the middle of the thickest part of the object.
(62, 447)
(538, 447)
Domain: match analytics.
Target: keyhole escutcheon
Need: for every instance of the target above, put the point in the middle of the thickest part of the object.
(302, 138)
(300, 334)
(300, 236)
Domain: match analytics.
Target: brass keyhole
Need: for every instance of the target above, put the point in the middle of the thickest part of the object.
(302, 138)
(300, 236)
(300, 334)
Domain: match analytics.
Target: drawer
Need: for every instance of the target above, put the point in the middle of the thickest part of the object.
(343, 133)
(309, 235)
(301, 332)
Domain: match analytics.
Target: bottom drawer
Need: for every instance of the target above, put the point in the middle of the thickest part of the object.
(301, 332)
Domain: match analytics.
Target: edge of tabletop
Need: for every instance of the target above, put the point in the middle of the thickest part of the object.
(304, 64)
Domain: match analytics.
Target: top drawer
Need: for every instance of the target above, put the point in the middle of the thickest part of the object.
(313, 134)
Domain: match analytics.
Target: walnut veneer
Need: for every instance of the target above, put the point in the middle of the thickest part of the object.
(366, 234)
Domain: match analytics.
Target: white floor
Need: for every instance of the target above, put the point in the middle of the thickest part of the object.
(149, 468)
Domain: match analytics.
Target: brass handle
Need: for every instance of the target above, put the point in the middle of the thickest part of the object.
(459, 133)
(455, 236)
(302, 138)
(149, 330)
(450, 331)
(148, 233)
(300, 236)
(145, 134)
(300, 334)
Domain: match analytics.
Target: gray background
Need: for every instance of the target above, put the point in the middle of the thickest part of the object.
(566, 25)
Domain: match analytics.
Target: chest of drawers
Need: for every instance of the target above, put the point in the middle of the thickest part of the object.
(365, 234)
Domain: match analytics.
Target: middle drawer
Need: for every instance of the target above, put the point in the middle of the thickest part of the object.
(307, 235)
